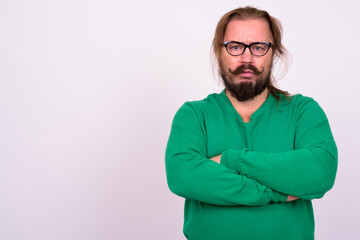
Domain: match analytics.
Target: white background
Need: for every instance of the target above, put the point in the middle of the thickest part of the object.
(88, 90)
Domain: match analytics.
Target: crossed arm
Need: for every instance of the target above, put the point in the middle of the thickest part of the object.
(290, 198)
(244, 177)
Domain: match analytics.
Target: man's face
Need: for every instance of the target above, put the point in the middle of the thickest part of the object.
(246, 76)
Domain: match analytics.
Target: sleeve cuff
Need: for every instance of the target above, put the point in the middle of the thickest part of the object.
(279, 197)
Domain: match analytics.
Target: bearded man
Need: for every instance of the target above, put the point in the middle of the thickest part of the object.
(250, 159)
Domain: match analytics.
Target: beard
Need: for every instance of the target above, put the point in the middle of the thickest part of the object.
(245, 90)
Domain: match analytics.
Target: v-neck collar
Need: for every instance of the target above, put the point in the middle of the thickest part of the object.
(268, 102)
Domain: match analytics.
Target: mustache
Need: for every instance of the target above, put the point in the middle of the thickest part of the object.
(246, 66)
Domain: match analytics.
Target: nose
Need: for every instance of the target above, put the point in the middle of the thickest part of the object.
(246, 57)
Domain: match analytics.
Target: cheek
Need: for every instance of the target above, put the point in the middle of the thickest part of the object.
(267, 64)
(227, 63)
(226, 59)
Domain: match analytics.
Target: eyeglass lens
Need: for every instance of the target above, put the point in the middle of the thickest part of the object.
(257, 49)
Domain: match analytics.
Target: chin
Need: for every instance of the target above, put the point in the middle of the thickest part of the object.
(248, 80)
(244, 80)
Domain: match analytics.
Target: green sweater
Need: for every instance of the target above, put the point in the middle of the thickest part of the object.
(287, 148)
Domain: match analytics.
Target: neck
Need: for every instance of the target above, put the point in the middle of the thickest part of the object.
(248, 107)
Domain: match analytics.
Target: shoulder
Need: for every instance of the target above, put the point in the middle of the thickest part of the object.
(297, 101)
(199, 110)
(300, 100)
(210, 103)
(304, 103)
(305, 107)
(299, 106)
(192, 114)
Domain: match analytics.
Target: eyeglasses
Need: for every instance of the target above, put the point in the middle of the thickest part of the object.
(256, 48)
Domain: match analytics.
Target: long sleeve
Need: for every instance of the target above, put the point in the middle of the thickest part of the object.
(192, 175)
(308, 171)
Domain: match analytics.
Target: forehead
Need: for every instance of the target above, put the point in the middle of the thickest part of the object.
(247, 31)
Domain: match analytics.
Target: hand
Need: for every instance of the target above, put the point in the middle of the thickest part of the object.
(216, 158)
(291, 198)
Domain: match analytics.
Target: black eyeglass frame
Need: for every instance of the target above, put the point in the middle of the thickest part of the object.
(269, 44)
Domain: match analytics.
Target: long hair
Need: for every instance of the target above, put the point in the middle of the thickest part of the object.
(245, 13)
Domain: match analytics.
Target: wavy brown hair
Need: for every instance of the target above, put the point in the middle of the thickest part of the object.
(275, 27)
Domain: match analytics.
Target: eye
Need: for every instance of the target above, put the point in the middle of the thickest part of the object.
(258, 47)
(235, 48)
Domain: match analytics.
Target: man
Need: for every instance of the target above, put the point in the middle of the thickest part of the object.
(250, 159)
